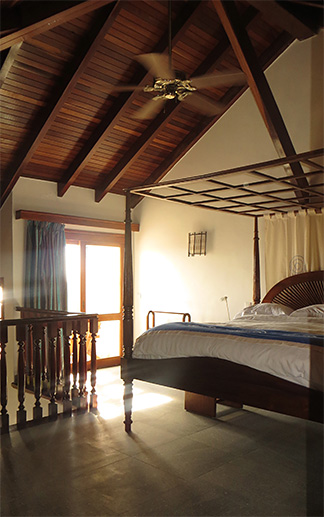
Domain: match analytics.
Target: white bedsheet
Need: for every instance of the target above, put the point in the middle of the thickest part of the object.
(296, 362)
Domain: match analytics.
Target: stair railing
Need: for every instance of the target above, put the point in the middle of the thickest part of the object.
(46, 362)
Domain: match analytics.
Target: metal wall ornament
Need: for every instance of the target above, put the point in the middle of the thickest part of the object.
(197, 243)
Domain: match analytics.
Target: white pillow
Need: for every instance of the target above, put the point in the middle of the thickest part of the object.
(311, 311)
(269, 309)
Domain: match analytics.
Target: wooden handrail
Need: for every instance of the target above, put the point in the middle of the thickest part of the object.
(44, 311)
(26, 321)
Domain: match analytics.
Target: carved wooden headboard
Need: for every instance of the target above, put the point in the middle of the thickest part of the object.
(298, 290)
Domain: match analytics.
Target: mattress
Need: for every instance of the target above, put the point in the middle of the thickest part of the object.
(289, 348)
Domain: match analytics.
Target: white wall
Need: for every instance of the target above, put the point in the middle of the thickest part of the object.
(165, 278)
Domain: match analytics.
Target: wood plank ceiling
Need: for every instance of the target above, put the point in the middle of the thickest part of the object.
(64, 120)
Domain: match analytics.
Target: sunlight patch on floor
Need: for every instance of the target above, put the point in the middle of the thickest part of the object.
(110, 391)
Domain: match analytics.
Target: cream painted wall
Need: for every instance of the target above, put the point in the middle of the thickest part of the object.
(31, 194)
(165, 278)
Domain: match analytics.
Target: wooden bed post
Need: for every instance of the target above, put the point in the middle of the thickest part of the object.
(128, 332)
(256, 264)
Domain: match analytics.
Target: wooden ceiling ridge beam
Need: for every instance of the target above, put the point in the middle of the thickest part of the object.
(123, 103)
(42, 20)
(90, 43)
(258, 83)
(277, 14)
(150, 133)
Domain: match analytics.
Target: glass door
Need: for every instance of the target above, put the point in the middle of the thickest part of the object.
(94, 275)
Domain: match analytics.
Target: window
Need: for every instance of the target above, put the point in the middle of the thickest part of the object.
(94, 263)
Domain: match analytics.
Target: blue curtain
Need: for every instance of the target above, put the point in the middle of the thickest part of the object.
(45, 272)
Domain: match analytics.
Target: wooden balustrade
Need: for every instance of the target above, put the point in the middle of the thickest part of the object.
(50, 350)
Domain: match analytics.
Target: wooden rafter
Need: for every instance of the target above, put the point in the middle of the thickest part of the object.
(85, 52)
(259, 85)
(285, 19)
(43, 16)
(120, 107)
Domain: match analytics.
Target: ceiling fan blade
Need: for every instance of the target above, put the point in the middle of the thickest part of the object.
(218, 79)
(157, 64)
(203, 105)
(150, 109)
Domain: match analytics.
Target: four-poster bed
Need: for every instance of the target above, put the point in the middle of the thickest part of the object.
(218, 376)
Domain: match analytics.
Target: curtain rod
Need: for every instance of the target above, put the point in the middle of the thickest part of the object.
(72, 219)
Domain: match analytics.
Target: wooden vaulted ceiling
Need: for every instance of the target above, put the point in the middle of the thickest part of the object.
(62, 120)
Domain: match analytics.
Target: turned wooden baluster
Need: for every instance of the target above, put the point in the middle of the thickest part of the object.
(21, 337)
(67, 403)
(44, 352)
(38, 334)
(128, 332)
(82, 401)
(29, 357)
(75, 391)
(59, 348)
(4, 393)
(93, 396)
(52, 333)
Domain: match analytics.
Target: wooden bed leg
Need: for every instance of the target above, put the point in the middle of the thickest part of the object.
(128, 403)
(200, 404)
(206, 406)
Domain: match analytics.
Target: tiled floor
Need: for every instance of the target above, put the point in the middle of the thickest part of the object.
(245, 462)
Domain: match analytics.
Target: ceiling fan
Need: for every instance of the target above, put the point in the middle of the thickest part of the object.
(169, 84)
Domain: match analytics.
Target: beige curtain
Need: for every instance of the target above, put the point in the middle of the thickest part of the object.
(294, 243)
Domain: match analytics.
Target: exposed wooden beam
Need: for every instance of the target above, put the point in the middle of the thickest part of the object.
(8, 62)
(30, 215)
(258, 83)
(85, 52)
(278, 15)
(157, 125)
(41, 18)
(122, 104)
